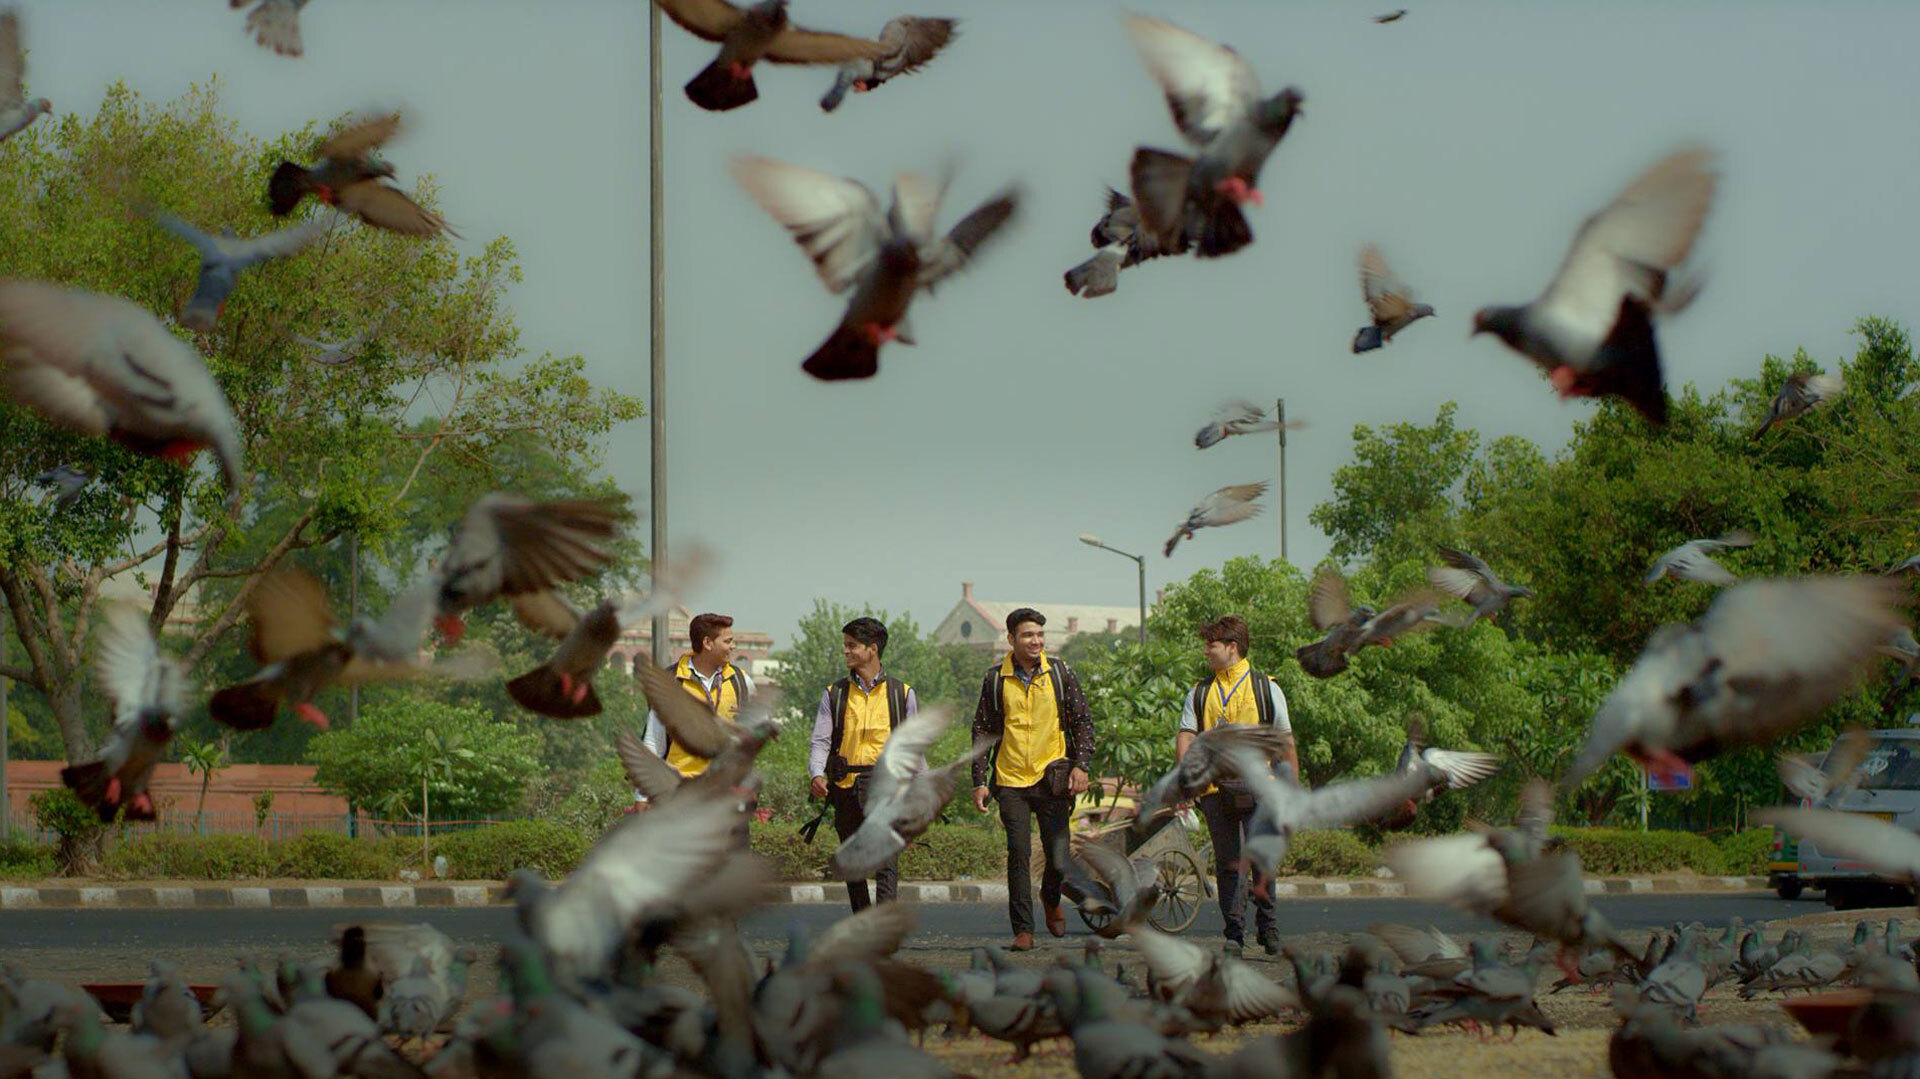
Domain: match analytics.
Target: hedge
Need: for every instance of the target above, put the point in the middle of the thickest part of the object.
(945, 852)
(25, 861)
(1617, 852)
(1747, 853)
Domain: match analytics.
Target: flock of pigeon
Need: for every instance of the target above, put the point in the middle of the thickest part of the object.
(583, 995)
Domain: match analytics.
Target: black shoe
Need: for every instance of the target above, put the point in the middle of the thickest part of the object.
(1235, 948)
(1270, 940)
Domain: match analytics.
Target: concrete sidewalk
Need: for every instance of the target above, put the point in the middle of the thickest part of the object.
(482, 894)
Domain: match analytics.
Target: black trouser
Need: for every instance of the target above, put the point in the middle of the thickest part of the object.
(1227, 826)
(1054, 811)
(847, 815)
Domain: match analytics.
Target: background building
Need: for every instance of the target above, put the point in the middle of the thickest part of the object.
(983, 623)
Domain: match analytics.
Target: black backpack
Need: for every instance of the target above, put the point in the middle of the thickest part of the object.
(837, 708)
(1262, 699)
(1056, 673)
(739, 680)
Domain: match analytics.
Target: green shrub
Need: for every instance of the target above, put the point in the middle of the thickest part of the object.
(598, 799)
(1613, 852)
(174, 855)
(955, 852)
(1748, 852)
(792, 858)
(494, 851)
(332, 856)
(1328, 854)
(25, 861)
(60, 811)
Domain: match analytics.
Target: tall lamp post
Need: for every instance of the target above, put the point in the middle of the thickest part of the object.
(1140, 561)
(656, 321)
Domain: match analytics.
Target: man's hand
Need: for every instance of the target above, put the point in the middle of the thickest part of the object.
(1077, 781)
(819, 786)
(980, 798)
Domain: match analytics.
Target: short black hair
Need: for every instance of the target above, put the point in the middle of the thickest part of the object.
(1024, 614)
(867, 630)
(1230, 628)
(704, 627)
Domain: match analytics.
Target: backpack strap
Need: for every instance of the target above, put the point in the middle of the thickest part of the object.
(837, 709)
(1200, 704)
(896, 702)
(739, 679)
(1263, 697)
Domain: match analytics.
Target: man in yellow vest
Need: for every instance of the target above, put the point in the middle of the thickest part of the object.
(1033, 704)
(1234, 693)
(707, 673)
(855, 718)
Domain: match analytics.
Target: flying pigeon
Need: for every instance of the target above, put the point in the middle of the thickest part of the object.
(1120, 889)
(67, 480)
(1468, 578)
(1446, 769)
(1389, 302)
(103, 365)
(749, 35)
(1888, 850)
(1282, 807)
(1239, 417)
(16, 112)
(507, 545)
(1691, 562)
(1800, 394)
(1391, 16)
(1592, 329)
(1217, 106)
(562, 687)
(223, 257)
(904, 794)
(910, 41)
(275, 24)
(1228, 505)
(302, 650)
(1118, 242)
(349, 179)
(149, 690)
(1767, 656)
(1840, 774)
(1205, 765)
(884, 258)
(1333, 612)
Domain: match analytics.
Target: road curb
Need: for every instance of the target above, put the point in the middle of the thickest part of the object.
(402, 896)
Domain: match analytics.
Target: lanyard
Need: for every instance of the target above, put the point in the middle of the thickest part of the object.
(1227, 694)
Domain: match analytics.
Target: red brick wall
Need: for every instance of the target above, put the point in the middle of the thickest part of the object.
(233, 789)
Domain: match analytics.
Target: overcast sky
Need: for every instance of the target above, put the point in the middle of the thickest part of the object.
(1468, 140)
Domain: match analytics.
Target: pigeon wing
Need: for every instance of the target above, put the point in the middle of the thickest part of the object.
(1208, 86)
(1387, 297)
(836, 221)
(1328, 602)
(649, 774)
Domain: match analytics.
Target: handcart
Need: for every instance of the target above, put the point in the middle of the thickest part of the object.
(1164, 851)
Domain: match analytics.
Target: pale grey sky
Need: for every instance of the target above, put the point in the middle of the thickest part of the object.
(1468, 140)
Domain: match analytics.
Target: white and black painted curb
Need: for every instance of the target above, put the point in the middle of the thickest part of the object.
(390, 896)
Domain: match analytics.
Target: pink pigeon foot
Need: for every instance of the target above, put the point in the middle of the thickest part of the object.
(143, 803)
(566, 683)
(737, 69)
(1238, 190)
(877, 334)
(1662, 764)
(860, 86)
(580, 691)
(1567, 381)
(113, 791)
(311, 714)
(450, 627)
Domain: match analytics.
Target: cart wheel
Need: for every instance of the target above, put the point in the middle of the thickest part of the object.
(1095, 922)
(1182, 890)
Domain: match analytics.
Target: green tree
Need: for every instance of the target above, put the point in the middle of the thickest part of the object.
(440, 401)
(401, 738)
(815, 662)
(205, 758)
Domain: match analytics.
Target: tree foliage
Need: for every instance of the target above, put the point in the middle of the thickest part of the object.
(814, 662)
(473, 765)
(440, 404)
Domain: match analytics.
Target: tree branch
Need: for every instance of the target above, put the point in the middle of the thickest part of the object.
(231, 613)
(40, 677)
(54, 632)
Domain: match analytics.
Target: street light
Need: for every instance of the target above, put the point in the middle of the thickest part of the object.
(1092, 540)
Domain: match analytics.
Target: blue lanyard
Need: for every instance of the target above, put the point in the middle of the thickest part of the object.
(1227, 694)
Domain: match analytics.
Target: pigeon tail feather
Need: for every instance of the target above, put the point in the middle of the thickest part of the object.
(1367, 339)
(719, 88)
(541, 691)
(287, 187)
(249, 706)
(89, 782)
(845, 355)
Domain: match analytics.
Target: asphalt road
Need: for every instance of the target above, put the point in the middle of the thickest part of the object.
(942, 925)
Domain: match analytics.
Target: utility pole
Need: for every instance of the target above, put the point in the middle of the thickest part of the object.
(353, 615)
(656, 322)
(1280, 415)
(6, 806)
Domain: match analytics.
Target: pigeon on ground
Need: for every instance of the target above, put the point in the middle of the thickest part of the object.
(910, 40)
(1106, 1046)
(274, 24)
(422, 975)
(1766, 657)
(92, 1052)
(1239, 417)
(1216, 104)
(644, 861)
(102, 365)
(223, 257)
(67, 480)
(748, 35)
(863, 1048)
(349, 179)
(302, 650)
(1205, 765)
(1546, 896)
(1678, 981)
(1691, 560)
(167, 1007)
(1468, 578)
(1389, 302)
(507, 546)
(1118, 242)
(884, 258)
(1333, 612)
(1831, 781)
(1209, 982)
(149, 691)
(351, 979)
(1800, 394)
(1592, 329)
(1228, 505)
(904, 794)
(16, 112)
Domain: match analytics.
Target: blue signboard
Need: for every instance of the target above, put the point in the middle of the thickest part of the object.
(1666, 783)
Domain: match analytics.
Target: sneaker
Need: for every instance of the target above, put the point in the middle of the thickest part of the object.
(1022, 942)
(1270, 940)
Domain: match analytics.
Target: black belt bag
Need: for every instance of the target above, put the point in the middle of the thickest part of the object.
(838, 769)
(1236, 793)
(1057, 777)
